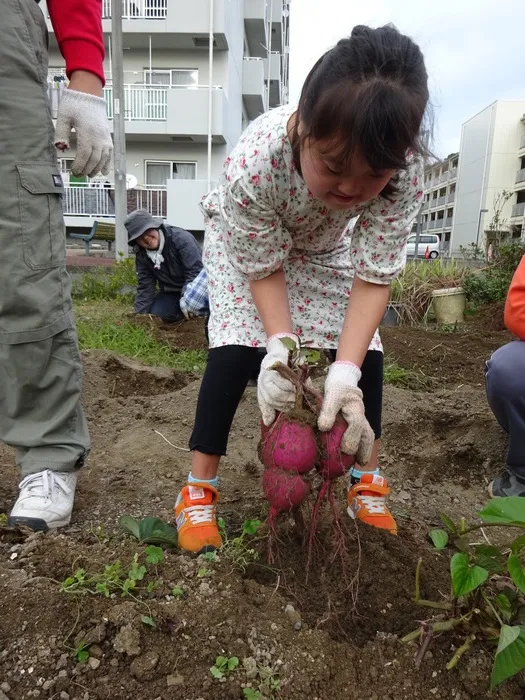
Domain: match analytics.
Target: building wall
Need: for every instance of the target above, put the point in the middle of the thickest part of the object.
(475, 147)
(488, 164)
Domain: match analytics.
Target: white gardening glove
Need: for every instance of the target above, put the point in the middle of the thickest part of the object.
(341, 393)
(87, 115)
(184, 309)
(275, 393)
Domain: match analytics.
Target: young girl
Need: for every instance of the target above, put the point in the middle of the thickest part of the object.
(282, 260)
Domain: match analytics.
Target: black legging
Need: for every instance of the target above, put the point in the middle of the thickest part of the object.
(228, 371)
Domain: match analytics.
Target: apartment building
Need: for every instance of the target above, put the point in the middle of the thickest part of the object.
(437, 212)
(491, 159)
(186, 103)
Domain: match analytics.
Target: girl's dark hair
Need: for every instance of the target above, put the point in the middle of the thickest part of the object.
(370, 93)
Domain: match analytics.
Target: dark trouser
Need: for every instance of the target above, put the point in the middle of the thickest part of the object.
(505, 381)
(167, 306)
(227, 374)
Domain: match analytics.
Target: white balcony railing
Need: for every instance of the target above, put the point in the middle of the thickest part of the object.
(97, 201)
(432, 224)
(448, 222)
(141, 103)
(520, 175)
(522, 142)
(518, 209)
(138, 9)
(451, 197)
(147, 103)
(452, 173)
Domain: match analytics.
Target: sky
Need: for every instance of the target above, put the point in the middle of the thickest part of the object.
(474, 49)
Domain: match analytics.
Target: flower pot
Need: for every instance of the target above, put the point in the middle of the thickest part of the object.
(449, 305)
(392, 315)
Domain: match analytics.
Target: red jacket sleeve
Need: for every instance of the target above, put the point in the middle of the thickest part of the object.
(78, 29)
(515, 305)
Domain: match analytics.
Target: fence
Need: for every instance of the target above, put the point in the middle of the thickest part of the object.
(138, 9)
(89, 201)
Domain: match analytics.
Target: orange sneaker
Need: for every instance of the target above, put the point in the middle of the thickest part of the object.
(195, 518)
(366, 502)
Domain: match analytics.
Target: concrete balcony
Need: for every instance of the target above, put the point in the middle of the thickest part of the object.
(180, 111)
(432, 224)
(256, 27)
(520, 176)
(448, 222)
(253, 87)
(441, 200)
(275, 21)
(522, 143)
(452, 174)
(451, 196)
(184, 197)
(518, 210)
(439, 223)
(172, 24)
(443, 177)
(273, 72)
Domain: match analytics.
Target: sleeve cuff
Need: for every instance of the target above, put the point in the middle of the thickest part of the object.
(83, 55)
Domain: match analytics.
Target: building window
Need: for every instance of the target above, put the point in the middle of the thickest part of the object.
(159, 171)
(172, 77)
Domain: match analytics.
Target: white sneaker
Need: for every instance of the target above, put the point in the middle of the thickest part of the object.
(45, 500)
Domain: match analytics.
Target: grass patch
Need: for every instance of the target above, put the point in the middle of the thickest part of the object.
(106, 326)
(406, 378)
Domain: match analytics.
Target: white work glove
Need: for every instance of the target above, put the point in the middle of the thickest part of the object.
(275, 393)
(341, 394)
(87, 115)
(184, 309)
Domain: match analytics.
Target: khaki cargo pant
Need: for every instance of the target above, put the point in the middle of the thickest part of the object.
(40, 365)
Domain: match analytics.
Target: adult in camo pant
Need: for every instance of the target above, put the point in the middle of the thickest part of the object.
(40, 366)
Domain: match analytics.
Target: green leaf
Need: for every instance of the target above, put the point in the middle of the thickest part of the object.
(210, 556)
(518, 544)
(233, 662)
(507, 636)
(177, 592)
(250, 527)
(150, 530)
(82, 656)
(148, 620)
(447, 522)
(201, 573)
(504, 605)
(311, 357)
(490, 558)
(439, 538)
(289, 344)
(251, 694)
(102, 588)
(508, 510)
(465, 578)
(129, 524)
(154, 554)
(80, 575)
(517, 572)
(510, 656)
(216, 672)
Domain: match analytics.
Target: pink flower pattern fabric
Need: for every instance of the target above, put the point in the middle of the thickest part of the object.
(261, 216)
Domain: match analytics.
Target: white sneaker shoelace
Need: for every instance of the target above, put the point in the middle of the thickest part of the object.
(43, 484)
(200, 514)
(375, 504)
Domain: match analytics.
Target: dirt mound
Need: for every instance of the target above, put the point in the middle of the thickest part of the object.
(185, 335)
(160, 645)
(453, 358)
(438, 452)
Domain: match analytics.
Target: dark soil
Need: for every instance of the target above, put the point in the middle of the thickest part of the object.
(448, 358)
(439, 452)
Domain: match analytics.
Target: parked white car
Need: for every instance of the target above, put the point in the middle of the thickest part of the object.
(430, 242)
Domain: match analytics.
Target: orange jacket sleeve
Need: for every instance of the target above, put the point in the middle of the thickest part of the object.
(78, 29)
(515, 305)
